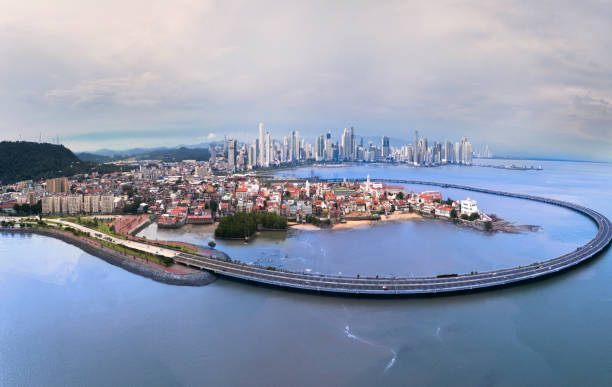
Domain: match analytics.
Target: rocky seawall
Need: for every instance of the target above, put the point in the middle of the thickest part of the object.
(116, 259)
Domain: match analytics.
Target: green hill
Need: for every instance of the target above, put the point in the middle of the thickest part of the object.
(22, 160)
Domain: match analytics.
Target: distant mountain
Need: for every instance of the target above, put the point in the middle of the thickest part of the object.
(197, 152)
(173, 155)
(119, 154)
(85, 156)
(22, 160)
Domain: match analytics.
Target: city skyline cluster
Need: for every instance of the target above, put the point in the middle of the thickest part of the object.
(265, 151)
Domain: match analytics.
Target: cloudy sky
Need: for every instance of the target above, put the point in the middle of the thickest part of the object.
(525, 78)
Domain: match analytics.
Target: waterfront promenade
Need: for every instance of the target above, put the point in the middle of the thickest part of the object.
(424, 285)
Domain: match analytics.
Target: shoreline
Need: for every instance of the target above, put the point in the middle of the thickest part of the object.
(394, 217)
(197, 279)
(350, 224)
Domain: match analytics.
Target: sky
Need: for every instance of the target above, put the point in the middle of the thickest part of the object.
(526, 78)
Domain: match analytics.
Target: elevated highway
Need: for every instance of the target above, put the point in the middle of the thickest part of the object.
(423, 285)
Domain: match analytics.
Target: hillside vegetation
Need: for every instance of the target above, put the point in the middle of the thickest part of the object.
(22, 160)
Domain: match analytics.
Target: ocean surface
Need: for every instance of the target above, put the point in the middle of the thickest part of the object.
(68, 318)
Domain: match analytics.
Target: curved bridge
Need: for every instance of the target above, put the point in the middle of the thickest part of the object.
(423, 285)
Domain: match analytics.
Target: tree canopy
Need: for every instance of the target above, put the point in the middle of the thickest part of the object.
(242, 224)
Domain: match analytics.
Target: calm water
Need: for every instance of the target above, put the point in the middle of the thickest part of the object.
(69, 318)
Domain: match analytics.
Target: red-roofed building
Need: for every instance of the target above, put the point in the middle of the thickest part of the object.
(444, 210)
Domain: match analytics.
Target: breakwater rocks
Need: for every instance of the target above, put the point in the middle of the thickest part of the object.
(114, 258)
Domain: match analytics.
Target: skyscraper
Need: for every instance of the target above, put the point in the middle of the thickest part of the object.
(261, 145)
(320, 148)
(231, 155)
(386, 150)
(448, 152)
(416, 147)
(329, 152)
(251, 152)
(285, 150)
(268, 150)
(291, 147)
(345, 143)
(352, 145)
(296, 144)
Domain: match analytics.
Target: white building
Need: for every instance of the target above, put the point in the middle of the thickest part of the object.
(469, 207)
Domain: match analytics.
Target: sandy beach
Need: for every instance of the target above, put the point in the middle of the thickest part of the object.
(304, 227)
(384, 218)
(358, 223)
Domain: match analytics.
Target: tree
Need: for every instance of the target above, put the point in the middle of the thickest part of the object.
(213, 206)
(453, 213)
(488, 226)
(400, 195)
(474, 216)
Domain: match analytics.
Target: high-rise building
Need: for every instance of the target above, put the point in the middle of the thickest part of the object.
(448, 152)
(211, 150)
(107, 204)
(260, 156)
(231, 156)
(352, 145)
(251, 152)
(466, 151)
(47, 205)
(285, 152)
(296, 144)
(74, 204)
(457, 153)
(345, 143)
(329, 152)
(386, 150)
(57, 185)
(291, 147)
(416, 147)
(268, 150)
(320, 148)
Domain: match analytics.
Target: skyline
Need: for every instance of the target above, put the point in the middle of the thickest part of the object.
(529, 80)
(266, 151)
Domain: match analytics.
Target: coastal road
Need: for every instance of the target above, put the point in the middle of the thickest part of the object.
(152, 249)
(424, 285)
